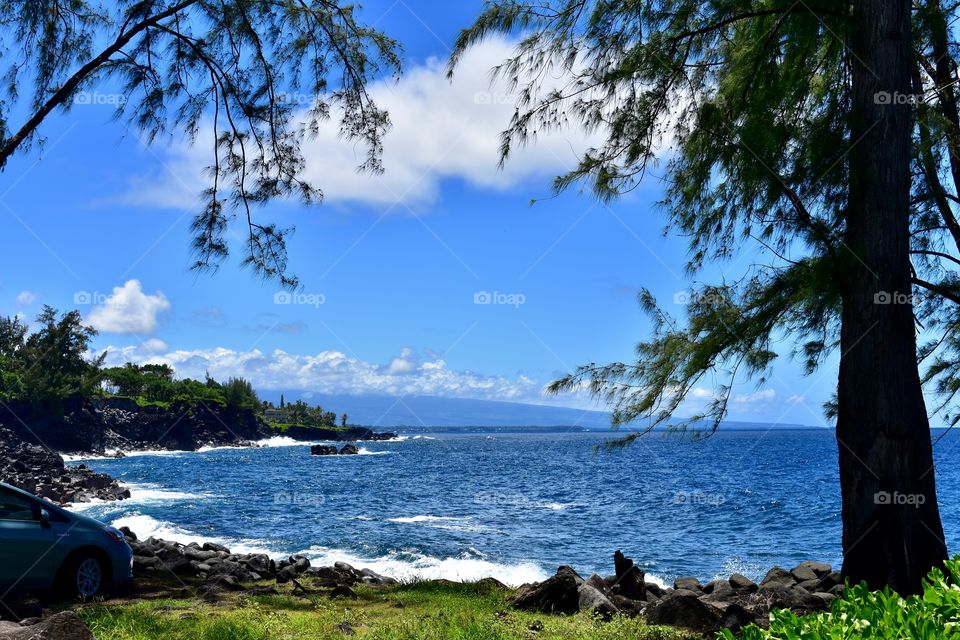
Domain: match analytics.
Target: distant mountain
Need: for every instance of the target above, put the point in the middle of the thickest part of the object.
(432, 411)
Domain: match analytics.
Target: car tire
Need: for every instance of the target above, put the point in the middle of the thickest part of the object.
(83, 577)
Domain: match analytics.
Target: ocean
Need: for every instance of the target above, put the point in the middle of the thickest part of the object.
(512, 505)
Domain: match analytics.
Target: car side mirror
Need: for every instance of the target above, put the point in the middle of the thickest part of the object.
(44, 518)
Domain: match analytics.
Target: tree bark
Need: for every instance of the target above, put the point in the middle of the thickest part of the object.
(892, 534)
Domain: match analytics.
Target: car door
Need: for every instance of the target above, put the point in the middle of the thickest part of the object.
(28, 554)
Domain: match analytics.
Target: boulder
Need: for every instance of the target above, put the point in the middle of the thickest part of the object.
(742, 583)
(630, 579)
(808, 570)
(778, 577)
(683, 608)
(349, 450)
(61, 626)
(590, 599)
(323, 450)
(286, 574)
(772, 596)
(829, 581)
(558, 594)
(736, 618)
(690, 584)
(827, 598)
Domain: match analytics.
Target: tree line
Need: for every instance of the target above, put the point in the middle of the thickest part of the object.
(46, 366)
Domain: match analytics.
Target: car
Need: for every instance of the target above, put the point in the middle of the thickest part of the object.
(44, 547)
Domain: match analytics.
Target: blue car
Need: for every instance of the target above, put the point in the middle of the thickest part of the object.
(46, 548)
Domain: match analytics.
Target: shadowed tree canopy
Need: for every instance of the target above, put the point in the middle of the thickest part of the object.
(220, 72)
(827, 135)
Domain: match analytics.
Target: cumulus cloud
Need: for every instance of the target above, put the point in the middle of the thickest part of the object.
(333, 372)
(440, 130)
(128, 310)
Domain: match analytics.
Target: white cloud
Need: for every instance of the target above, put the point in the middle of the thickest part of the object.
(154, 345)
(441, 129)
(128, 310)
(26, 298)
(333, 372)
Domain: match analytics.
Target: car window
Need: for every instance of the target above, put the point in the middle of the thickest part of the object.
(13, 506)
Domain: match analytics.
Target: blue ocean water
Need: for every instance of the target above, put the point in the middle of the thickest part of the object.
(512, 505)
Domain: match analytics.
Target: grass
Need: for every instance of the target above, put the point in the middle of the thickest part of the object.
(428, 611)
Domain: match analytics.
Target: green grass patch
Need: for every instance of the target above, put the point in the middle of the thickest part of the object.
(421, 611)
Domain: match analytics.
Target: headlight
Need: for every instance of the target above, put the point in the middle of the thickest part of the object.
(115, 534)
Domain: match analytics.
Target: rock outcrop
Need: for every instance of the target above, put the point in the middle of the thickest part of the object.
(220, 570)
(42, 472)
(704, 608)
(330, 450)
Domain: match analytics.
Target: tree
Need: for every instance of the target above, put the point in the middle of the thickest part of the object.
(298, 413)
(792, 127)
(56, 357)
(12, 342)
(226, 67)
(343, 420)
(240, 394)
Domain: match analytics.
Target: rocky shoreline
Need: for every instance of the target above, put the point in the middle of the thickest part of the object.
(43, 473)
(101, 425)
(731, 603)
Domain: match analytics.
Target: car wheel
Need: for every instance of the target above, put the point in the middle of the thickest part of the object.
(83, 577)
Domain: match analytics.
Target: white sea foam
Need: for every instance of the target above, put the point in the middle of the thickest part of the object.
(414, 519)
(412, 566)
(441, 522)
(469, 566)
(280, 441)
(141, 494)
(112, 453)
(149, 527)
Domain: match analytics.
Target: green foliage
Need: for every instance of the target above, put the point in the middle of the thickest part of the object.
(49, 365)
(742, 107)
(302, 414)
(240, 395)
(254, 76)
(862, 613)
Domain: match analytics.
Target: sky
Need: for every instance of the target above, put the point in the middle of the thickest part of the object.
(437, 278)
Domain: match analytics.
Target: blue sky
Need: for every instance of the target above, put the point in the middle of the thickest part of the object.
(391, 266)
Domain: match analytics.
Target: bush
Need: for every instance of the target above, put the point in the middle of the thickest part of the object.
(862, 613)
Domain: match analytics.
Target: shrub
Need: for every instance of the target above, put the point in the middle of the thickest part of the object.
(862, 613)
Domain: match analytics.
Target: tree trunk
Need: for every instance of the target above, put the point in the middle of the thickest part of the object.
(892, 533)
